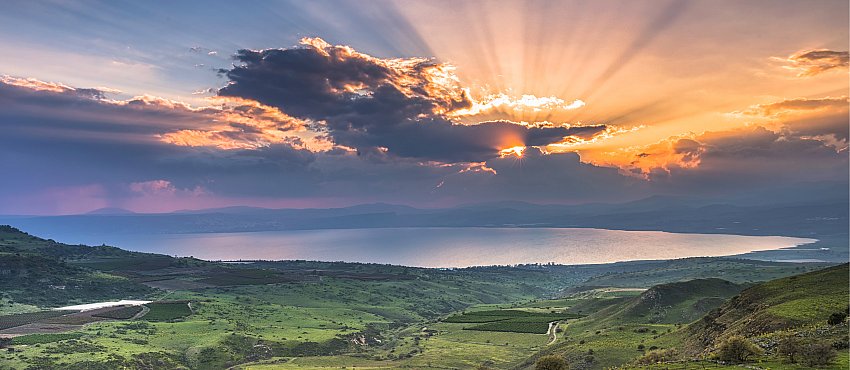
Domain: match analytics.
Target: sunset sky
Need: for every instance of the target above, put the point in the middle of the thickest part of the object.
(159, 106)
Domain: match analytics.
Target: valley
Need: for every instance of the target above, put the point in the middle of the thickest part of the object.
(196, 314)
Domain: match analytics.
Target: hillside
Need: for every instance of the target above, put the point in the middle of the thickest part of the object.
(37, 272)
(787, 303)
(13, 240)
(735, 270)
(672, 303)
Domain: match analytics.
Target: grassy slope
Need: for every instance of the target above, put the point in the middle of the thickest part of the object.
(671, 303)
(780, 304)
(797, 305)
(730, 269)
(36, 273)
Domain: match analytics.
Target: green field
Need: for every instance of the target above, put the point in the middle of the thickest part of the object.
(515, 321)
(167, 311)
(44, 338)
(123, 313)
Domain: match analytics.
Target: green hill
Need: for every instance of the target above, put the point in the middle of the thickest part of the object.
(673, 303)
(39, 272)
(790, 303)
(735, 270)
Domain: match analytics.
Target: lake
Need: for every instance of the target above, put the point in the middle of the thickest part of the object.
(450, 247)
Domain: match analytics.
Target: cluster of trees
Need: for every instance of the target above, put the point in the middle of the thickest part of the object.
(812, 354)
(738, 349)
(551, 362)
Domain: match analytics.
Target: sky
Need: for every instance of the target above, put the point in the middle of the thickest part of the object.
(159, 106)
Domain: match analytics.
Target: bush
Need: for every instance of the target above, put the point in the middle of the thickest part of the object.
(790, 349)
(837, 318)
(655, 357)
(737, 349)
(818, 354)
(551, 362)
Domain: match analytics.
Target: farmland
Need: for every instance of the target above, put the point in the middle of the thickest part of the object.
(122, 313)
(515, 321)
(167, 311)
(10, 321)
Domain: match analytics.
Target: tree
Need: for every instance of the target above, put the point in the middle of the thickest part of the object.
(818, 354)
(737, 349)
(4, 341)
(836, 318)
(790, 348)
(551, 362)
(657, 356)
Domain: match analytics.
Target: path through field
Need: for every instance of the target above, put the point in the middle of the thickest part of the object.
(552, 334)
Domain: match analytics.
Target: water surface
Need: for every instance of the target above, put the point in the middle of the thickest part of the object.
(451, 247)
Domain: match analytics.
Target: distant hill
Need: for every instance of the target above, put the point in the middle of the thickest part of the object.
(37, 271)
(824, 218)
(788, 303)
(111, 211)
(13, 240)
(730, 269)
(673, 303)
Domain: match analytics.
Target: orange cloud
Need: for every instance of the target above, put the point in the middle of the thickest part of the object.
(798, 105)
(237, 123)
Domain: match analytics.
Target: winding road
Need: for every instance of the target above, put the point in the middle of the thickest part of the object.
(553, 335)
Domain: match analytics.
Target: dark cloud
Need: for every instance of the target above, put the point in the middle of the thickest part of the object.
(810, 116)
(60, 141)
(369, 103)
(814, 62)
(747, 158)
(545, 178)
(61, 138)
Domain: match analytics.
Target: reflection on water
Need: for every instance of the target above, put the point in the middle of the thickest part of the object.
(451, 247)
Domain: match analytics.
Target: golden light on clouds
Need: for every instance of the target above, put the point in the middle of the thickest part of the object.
(512, 151)
(236, 123)
(522, 108)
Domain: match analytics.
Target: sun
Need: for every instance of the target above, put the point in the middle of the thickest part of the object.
(516, 151)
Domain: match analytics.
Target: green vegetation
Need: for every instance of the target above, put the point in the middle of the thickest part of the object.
(671, 303)
(737, 349)
(322, 315)
(167, 311)
(516, 321)
(551, 362)
(44, 338)
(781, 304)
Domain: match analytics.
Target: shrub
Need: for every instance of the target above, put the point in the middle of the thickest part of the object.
(818, 354)
(836, 318)
(737, 349)
(551, 362)
(842, 343)
(790, 349)
(654, 357)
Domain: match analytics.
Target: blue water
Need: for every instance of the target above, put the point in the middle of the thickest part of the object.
(450, 247)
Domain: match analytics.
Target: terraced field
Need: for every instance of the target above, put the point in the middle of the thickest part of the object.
(516, 321)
